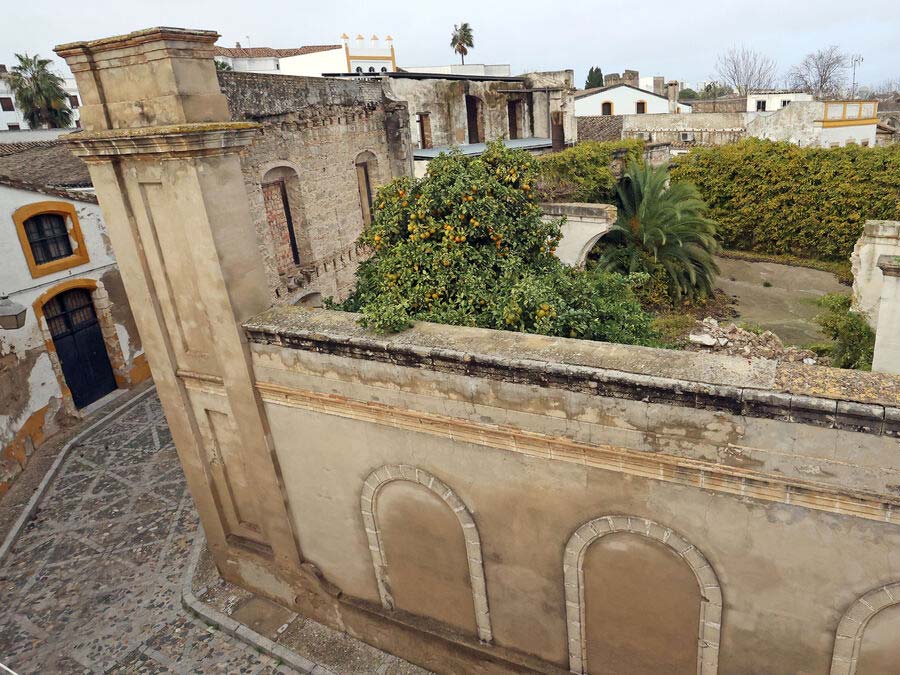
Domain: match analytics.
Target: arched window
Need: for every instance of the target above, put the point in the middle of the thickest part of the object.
(371, 69)
(606, 108)
(281, 199)
(50, 236)
(366, 173)
(359, 69)
(384, 69)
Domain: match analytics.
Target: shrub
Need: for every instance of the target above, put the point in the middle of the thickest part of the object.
(661, 230)
(583, 173)
(853, 339)
(466, 245)
(779, 198)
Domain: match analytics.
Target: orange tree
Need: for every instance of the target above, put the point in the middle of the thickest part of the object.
(466, 245)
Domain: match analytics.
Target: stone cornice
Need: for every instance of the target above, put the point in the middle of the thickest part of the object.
(889, 265)
(136, 38)
(548, 362)
(209, 138)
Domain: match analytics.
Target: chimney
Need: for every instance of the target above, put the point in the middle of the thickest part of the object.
(237, 45)
(344, 38)
(374, 42)
(659, 85)
(360, 41)
(672, 95)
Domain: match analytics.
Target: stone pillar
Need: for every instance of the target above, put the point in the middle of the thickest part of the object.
(879, 237)
(887, 333)
(163, 156)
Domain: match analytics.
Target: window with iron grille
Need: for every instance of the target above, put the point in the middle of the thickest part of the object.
(69, 311)
(48, 237)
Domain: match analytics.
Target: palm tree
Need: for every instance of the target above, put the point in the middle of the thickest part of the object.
(462, 40)
(39, 93)
(662, 229)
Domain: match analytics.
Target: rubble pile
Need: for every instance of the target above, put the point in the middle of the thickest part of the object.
(709, 336)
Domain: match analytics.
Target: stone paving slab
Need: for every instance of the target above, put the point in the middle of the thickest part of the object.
(93, 583)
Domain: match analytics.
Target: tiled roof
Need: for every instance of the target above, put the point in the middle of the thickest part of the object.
(269, 52)
(54, 192)
(46, 164)
(12, 148)
(600, 128)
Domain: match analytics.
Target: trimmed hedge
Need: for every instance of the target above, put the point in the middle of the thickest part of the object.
(779, 198)
(583, 173)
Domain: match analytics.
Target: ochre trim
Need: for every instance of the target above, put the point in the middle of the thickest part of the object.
(41, 300)
(655, 466)
(849, 122)
(140, 370)
(393, 59)
(66, 210)
(363, 57)
(347, 53)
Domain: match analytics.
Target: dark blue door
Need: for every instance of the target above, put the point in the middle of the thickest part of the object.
(79, 346)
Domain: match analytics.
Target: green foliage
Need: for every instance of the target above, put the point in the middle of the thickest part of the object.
(466, 245)
(661, 229)
(688, 94)
(673, 328)
(779, 198)
(853, 338)
(39, 93)
(222, 66)
(594, 78)
(715, 90)
(462, 40)
(583, 173)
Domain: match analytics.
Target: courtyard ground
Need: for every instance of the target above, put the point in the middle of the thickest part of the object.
(94, 582)
(787, 305)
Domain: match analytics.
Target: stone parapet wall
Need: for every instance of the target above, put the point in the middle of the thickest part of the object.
(750, 462)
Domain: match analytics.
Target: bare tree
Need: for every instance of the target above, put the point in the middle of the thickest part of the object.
(822, 73)
(745, 70)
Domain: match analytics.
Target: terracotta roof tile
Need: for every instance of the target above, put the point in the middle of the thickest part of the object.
(48, 164)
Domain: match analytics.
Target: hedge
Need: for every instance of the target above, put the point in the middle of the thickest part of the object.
(779, 198)
(583, 173)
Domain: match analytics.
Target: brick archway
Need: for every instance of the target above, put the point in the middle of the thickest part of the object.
(405, 472)
(852, 627)
(573, 574)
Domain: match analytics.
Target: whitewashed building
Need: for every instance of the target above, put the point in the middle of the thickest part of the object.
(623, 99)
(358, 56)
(79, 344)
(11, 118)
(774, 99)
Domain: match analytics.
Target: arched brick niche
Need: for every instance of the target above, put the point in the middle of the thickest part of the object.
(849, 638)
(710, 592)
(371, 492)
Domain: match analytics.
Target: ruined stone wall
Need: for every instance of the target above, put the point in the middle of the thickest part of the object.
(879, 237)
(686, 129)
(314, 131)
(35, 401)
(775, 501)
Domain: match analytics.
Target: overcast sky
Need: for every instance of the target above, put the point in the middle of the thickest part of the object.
(677, 39)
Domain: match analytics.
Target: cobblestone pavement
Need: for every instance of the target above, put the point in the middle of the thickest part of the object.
(93, 583)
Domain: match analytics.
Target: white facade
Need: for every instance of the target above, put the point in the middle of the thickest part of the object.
(770, 101)
(28, 363)
(314, 61)
(12, 120)
(623, 100)
(482, 69)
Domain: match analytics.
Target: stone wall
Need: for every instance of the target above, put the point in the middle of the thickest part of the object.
(582, 228)
(742, 471)
(686, 129)
(314, 131)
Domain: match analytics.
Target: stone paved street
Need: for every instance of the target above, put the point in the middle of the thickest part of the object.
(93, 583)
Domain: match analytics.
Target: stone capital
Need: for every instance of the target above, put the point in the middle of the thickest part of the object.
(889, 265)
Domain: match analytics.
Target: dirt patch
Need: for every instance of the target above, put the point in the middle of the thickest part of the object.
(779, 298)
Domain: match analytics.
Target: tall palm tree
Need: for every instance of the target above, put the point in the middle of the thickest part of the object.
(462, 40)
(662, 229)
(39, 93)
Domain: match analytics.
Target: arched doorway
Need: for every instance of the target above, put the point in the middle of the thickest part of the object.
(78, 341)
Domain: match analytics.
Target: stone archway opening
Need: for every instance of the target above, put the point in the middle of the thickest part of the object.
(475, 118)
(284, 218)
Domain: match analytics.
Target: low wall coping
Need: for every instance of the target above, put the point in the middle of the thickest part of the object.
(815, 395)
(579, 209)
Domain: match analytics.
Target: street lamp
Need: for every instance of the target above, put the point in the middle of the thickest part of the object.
(12, 314)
